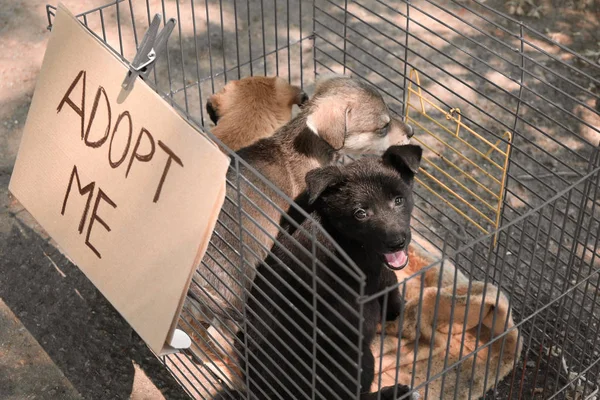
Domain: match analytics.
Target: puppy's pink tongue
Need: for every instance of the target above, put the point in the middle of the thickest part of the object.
(397, 259)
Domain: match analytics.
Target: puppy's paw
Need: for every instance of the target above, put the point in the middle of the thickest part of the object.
(387, 393)
(391, 328)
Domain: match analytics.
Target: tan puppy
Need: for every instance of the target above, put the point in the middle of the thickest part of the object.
(252, 108)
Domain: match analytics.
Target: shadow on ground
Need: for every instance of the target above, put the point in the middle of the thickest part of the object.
(75, 325)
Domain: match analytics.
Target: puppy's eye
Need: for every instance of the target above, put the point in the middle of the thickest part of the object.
(399, 200)
(360, 214)
(384, 131)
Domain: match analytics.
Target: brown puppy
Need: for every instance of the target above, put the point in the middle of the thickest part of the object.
(344, 117)
(252, 108)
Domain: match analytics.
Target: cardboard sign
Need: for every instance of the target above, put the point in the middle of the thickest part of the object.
(128, 189)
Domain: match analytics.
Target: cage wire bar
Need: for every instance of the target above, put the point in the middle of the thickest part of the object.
(527, 97)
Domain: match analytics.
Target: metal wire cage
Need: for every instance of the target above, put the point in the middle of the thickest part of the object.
(507, 198)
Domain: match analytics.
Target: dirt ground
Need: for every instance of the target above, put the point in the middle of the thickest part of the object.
(59, 338)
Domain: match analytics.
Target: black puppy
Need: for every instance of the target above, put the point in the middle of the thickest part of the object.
(293, 352)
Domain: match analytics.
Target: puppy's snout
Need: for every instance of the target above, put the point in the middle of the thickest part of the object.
(401, 132)
(409, 131)
(397, 242)
(302, 98)
(211, 110)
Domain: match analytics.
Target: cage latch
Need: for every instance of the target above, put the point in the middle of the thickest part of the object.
(153, 45)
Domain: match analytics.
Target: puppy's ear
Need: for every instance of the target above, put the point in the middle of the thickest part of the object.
(405, 159)
(320, 179)
(328, 120)
(211, 109)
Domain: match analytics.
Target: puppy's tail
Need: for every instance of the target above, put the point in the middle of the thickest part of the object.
(230, 395)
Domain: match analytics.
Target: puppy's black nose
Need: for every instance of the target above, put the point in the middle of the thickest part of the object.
(397, 242)
(303, 98)
(212, 113)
